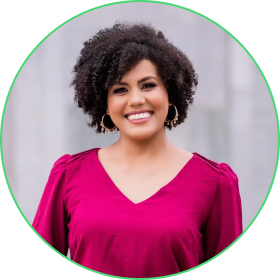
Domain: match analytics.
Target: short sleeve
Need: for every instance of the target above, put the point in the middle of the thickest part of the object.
(224, 224)
(51, 219)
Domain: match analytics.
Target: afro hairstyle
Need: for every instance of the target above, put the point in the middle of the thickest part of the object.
(112, 52)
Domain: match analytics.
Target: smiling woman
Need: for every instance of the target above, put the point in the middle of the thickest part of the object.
(139, 95)
(141, 207)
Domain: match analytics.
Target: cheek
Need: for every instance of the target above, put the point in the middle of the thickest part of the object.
(115, 106)
(160, 103)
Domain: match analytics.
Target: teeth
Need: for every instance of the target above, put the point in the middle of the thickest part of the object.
(139, 116)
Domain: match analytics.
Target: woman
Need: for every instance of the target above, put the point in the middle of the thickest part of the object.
(141, 207)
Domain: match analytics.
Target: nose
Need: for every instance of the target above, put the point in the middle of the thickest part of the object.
(135, 98)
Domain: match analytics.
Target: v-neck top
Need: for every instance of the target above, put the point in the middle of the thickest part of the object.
(186, 222)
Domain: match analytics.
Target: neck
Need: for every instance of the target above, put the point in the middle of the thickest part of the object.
(145, 149)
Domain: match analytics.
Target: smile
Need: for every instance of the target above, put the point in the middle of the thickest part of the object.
(140, 117)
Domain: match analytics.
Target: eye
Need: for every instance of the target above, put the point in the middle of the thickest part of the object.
(119, 90)
(149, 85)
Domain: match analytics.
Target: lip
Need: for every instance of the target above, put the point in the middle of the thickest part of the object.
(138, 112)
(140, 120)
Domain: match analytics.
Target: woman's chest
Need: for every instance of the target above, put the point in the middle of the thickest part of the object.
(138, 187)
(97, 208)
(139, 183)
(99, 222)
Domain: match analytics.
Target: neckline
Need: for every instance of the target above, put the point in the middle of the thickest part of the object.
(153, 195)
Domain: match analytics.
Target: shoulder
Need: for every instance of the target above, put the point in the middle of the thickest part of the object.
(220, 182)
(227, 181)
(222, 172)
(81, 156)
(68, 160)
(207, 169)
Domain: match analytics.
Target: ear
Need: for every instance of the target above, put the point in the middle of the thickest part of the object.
(107, 111)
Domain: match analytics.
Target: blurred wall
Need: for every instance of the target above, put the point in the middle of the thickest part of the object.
(232, 119)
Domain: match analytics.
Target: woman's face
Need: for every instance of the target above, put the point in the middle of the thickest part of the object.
(138, 105)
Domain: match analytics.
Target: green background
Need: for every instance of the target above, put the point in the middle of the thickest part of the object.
(255, 26)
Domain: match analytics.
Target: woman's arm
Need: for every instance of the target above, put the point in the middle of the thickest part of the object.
(51, 219)
(224, 224)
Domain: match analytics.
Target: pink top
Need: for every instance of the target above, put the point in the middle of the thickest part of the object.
(188, 221)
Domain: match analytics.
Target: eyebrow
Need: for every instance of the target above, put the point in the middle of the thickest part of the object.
(139, 82)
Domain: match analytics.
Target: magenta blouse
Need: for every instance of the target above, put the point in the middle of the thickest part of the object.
(188, 221)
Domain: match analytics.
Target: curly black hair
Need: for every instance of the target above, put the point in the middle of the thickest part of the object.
(112, 52)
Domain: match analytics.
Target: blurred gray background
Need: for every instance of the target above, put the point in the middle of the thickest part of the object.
(232, 119)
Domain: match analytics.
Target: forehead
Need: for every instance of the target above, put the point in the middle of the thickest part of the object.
(144, 68)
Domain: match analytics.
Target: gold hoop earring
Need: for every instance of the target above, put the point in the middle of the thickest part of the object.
(105, 129)
(172, 122)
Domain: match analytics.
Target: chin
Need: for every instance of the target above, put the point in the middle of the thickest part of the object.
(141, 133)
